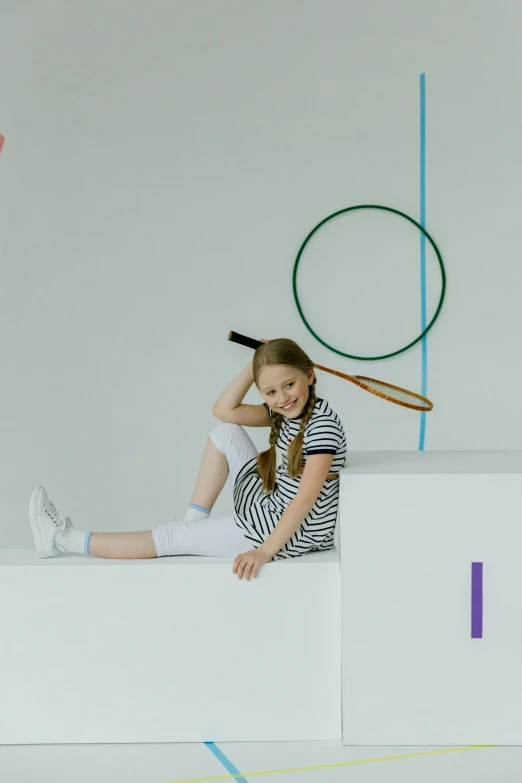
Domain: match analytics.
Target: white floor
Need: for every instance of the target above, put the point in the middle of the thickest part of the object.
(274, 762)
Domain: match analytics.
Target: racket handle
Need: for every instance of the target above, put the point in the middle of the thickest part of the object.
(242, 340)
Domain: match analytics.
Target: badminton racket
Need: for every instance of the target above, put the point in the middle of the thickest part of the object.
(387, 391)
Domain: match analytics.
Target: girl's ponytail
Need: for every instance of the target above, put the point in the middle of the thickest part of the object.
(295, 450)
(266, 460)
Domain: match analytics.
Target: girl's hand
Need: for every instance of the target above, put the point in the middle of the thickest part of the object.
(249, 563)
(263, 340)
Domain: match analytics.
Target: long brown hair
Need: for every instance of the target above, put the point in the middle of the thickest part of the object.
(287, 352)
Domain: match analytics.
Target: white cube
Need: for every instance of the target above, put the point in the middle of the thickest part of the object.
(430, 655)
(174, 649)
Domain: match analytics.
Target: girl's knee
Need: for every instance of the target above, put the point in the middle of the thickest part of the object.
(224, 431)
(163, 539)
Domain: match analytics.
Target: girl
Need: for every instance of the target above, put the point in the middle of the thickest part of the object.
(279, 513)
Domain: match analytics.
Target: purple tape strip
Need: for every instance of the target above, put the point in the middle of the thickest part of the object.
(477, 570)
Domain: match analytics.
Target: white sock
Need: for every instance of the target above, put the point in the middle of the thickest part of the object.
(72, 540)
(195, 512)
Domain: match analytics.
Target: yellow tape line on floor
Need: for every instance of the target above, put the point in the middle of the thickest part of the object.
(329, 766)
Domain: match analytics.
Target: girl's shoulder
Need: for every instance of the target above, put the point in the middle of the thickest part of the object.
(324, 433)
(323, 408)
(323, 413)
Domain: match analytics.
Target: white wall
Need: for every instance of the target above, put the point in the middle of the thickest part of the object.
(163, 164)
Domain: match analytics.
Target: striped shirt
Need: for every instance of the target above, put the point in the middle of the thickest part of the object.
(257, 512)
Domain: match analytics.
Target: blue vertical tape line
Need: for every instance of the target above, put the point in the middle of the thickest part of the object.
(424, 344)
(226, 762)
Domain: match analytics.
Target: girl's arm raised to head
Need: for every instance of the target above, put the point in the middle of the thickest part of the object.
(228, 406)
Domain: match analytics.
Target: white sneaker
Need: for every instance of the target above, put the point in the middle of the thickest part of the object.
(46, 521)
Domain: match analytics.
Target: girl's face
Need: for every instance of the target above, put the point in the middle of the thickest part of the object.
(282, 386)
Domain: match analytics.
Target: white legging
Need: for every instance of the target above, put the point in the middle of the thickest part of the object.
(215, 536)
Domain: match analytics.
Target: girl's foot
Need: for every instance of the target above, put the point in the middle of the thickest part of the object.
(46, 522)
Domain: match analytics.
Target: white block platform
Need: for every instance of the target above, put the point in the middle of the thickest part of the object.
(168, 650)
(411, 525)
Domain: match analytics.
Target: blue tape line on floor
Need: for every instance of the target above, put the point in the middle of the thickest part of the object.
(226, 762)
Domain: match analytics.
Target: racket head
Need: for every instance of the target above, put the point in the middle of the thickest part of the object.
(392, 393)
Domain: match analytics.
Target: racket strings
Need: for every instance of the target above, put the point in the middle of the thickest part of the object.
(393, 392)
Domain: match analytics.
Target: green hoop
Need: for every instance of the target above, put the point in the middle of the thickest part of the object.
(442, 271)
